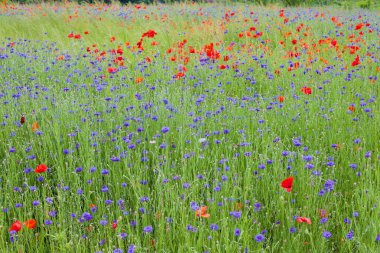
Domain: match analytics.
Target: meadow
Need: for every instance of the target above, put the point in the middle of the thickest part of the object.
(189, 128)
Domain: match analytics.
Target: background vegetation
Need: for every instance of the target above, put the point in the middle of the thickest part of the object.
(149, 113)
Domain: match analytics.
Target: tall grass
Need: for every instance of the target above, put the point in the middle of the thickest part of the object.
(145, 147)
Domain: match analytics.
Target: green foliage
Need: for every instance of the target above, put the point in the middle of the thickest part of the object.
(226, 125)
(347, 4)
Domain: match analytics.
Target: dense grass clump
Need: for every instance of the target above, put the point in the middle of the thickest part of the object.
(188, 128)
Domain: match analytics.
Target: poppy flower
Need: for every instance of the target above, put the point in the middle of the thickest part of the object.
(22, 120)
(303, 219)
(30, 224)
(139, 79)
(41, 168)
(149, 34)
(306, 90)
(280, 99)
(35, 126)
(16, 226)
(351, 108)
(359, 26)
(139, 44)
(287, 184)
(179, 75)
(202, 212)
(356, 61)
(112, 70)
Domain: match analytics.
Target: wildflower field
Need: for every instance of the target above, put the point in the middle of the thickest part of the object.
(189, 128)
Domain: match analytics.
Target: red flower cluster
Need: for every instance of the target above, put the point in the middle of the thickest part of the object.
(75, 36)
(17, 225)
(149, 34)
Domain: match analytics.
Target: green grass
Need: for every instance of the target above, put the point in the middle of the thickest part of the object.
(86, 119)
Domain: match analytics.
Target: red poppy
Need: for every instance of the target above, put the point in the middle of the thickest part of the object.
(112, 70)
(139, 79)
(287, 184)
(22, 120)
(179, 75)
(306, 90)
(280, 99)
(16, 226)
(139, 44)
(41, 168)
(31, 224)
(356, 61)
(359, 26)
(35, 126)
(202, 212)
(149, 34)
(351, 108)
(303, 219)
(211, 52)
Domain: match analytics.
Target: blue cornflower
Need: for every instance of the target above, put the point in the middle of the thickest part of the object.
(235, 214)
(131, 248)
(87, 216)
(148, 229)
(350, 235)
(329, 185)
(48, 222)
(164, 130)
(326, 234)
(214, 227)
(259, 238)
